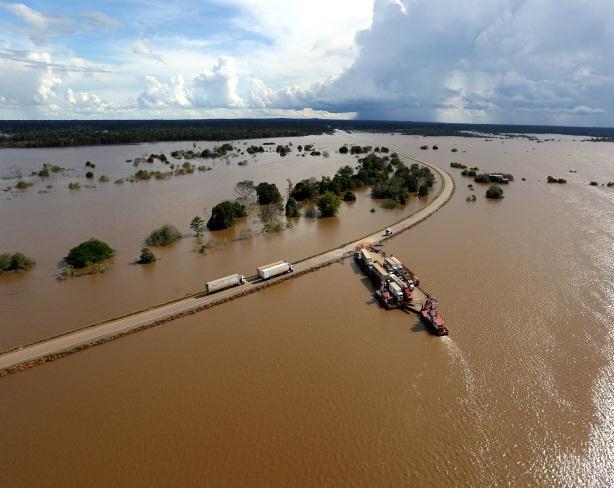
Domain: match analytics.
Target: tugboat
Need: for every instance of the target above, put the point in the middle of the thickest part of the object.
(430, 316)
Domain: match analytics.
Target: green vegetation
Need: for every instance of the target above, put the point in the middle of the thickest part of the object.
(550, 179)
(360, 149)
(305, 190)
(282, 150)
(47, 169)
(453, 150)
(457, 165)
(119, 181)
(343, 150)
(349, 196)
(103, 179)
(224, 214)
(255, 149)
(328, 204)
(89, 164)
(423, 191)
(197, 225)
(89, 175)
(142, 175)
(163, 236)
(424, 148)
(610, 184)
(387, 175)
(471, 198)
(22, 185)
(15, 262)
(593, 183)
(90, 252)
(102, 132)
(292, 209)
(494, 192)
(217, 152)
(74, 185)
(268, 193)
(146, 256)
(435, 147)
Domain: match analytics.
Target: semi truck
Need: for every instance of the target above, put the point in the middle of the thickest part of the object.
(379, 273)
(274, 269)
(225, 282)
(366, 257)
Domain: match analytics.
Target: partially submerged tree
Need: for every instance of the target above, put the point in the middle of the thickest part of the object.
(15, 262)
(494, 192)
(89, 252)
(292, 209)
(197, 225)
(146, 256)
(268, 193)
(328, 204)
(224, 214)
(163, 236)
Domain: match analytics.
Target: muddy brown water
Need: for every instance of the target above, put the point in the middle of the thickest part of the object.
(45, 226)
(310, 383)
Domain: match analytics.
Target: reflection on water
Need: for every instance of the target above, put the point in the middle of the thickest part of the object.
(310, 383)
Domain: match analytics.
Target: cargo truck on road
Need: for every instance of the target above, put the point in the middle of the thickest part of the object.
(225, 282)
(274, 269)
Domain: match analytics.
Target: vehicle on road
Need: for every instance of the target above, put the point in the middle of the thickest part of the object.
(225, 282)
(274, 269)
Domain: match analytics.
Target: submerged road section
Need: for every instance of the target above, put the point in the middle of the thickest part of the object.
(53, 348)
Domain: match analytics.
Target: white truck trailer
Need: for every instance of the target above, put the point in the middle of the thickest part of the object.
(396, 291)
(225, 282)
(366, 257)
(274, 269)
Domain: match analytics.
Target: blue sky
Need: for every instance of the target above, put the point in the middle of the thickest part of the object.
(488, 61)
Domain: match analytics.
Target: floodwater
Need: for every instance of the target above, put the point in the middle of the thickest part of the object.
(310, 383)
(35, 305)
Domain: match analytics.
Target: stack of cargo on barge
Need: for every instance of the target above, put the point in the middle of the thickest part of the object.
(396, 286)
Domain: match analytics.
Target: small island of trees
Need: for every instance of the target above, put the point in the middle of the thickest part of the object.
(92, 251)
(551, 179)
(15, 262)
(494, 192)
(163, 236)
(146, 256)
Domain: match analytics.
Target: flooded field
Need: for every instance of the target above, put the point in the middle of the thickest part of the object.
(311, 383)
(45, 226)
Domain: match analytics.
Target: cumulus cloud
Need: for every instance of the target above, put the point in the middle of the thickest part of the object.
(160, 95)
(214, 89)
(88, 103)
(218, 88)
(487, 60)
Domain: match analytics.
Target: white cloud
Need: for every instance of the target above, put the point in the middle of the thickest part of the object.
(38, 25)
(218, 88)
(96, 19)
(141, 47)
(485, 60)
(88, 103)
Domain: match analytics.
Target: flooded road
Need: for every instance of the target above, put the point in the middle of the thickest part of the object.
(310, 383)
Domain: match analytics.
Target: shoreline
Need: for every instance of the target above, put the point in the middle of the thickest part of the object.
(45, 350)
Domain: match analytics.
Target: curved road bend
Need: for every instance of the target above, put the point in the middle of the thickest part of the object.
(58, 346)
